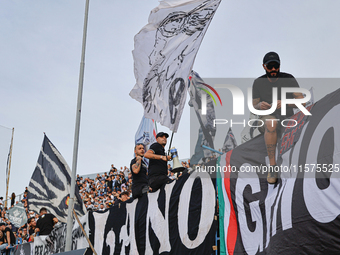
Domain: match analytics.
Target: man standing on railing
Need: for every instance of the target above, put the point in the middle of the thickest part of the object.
(139, 170)
(158, 164)
(263, 100)
(45, 222)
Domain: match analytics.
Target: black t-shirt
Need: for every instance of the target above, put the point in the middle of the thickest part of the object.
(263, 89)
(45, 224)
(118, 183)
(31, 231)
(2, 239)
(10, 234)
(141, 178)
(157, 167)
(109, 184)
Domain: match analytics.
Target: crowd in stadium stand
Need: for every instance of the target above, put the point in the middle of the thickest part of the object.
(109, 188)
(98, 194)
(106, 189)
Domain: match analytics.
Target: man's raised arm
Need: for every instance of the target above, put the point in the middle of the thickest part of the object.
(151, 155)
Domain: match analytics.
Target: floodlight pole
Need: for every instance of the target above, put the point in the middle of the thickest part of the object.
(68, 245)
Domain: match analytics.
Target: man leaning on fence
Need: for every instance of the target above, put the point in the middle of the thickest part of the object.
(8, 239)
(45, 222)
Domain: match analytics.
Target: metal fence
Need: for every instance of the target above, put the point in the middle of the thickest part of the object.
(17, 198)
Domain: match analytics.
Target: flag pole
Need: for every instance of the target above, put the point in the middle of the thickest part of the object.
(84, 232)
(211, 149)
(172, 136)
(155, 126)
(76, 136)
(9, 166)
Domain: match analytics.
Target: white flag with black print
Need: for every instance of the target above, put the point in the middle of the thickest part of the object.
(164, 53)
(50, 184)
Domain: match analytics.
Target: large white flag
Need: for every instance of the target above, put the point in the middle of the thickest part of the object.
(164, 54)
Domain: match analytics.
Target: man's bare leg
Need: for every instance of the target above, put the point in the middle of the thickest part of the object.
(270, 138)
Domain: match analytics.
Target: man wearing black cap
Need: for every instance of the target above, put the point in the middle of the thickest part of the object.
(158, 170)
(262, 100)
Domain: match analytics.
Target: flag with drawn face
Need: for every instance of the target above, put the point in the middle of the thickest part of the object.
(50, 184)
(164, 53)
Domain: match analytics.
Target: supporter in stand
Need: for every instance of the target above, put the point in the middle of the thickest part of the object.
(24, 235)
(101, 208)
(4, 214)
(11, 226)
(113, 168)
(171, 175)
(122, 178)
(79, 184)
(129, 184)
(32, 229)
(2, 240)
(9, 238)
(121, 170)
(118, 183)
(12, 199)
(45, 222)
(24, 199)
(105, 188)
(158, 167)
(18, 238)
(124, 196)
(109, 182)
(126, 172)
(139, 171)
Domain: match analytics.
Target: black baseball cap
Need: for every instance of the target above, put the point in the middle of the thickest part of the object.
(160, 134)
(271, 57)
(2, 224)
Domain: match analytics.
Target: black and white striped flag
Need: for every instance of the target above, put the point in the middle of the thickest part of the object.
(50, 184)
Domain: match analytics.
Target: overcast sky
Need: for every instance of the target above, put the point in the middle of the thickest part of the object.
(40, 50)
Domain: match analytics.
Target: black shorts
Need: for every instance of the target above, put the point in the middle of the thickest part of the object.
(138, 191)
(266, 117)
(158, 181)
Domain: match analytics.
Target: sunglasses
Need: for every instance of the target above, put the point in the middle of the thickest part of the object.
(272, 64)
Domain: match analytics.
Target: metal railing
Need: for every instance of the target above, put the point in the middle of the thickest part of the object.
(17, 198)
